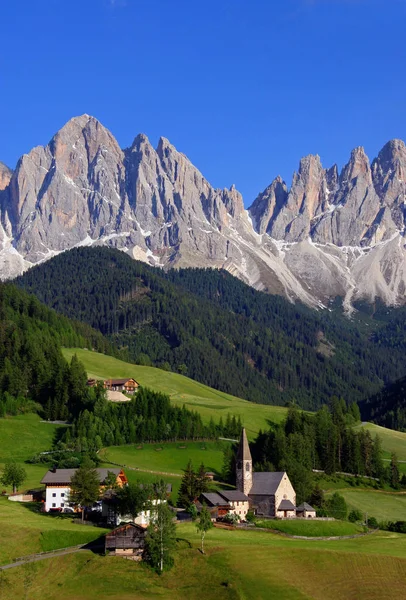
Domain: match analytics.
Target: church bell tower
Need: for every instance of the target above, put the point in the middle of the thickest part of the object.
(244, 465)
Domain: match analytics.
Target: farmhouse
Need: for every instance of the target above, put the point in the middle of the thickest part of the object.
(58, 485)
(129, 386)
(223, 502)
(271, 494)
(110, 510)
(127, 540)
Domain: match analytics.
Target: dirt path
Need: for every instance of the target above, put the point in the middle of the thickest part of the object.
(42, 556)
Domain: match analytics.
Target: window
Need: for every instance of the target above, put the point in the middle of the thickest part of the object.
(53, 505)
(54, 495)
(62, 495)
(62, 504)
(247, 466)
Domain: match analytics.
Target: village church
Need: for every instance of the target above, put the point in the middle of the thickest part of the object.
(269, 494)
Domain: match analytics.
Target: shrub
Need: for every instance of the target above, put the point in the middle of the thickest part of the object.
(336, 506)
(354, 516)
(231, 518)
(372, 523)
(250, 517)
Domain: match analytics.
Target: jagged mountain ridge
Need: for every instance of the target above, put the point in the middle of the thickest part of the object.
(331, 234)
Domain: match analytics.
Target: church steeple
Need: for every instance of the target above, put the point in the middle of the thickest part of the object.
(244, 465)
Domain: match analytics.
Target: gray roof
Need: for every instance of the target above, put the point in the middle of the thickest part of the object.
(266, 484)
(304, 507)
(243, 452)
(65, 475)
(233, 495)
(213, 499)
(286, 505)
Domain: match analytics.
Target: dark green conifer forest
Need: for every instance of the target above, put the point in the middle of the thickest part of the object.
(217, 330)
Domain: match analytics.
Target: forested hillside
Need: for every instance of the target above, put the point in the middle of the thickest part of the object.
(388, 407)
(216, 329)
(32, 368)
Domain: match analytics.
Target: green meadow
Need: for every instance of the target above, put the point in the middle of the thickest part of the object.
(181, 390)
(384, 506)
(240, 565)
(167, 461)
(24, 530)
(20, 438)
(312, 528)
(392, 441)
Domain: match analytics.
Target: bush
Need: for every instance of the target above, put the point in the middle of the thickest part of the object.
(337, 507)
(396, 526)
(354, 516)
(372, 523)
(250, 516)
(231, 518)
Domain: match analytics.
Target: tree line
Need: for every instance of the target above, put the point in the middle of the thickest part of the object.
(326, 441)
(148, 417)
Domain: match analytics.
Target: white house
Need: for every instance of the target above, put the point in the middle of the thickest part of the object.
(58, 485)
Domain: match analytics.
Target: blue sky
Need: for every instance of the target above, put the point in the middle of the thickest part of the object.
(243, 88)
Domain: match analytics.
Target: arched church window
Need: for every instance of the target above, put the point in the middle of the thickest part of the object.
(239, 465)
(247, 466)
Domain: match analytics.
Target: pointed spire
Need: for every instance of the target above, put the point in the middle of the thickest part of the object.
(243, 452)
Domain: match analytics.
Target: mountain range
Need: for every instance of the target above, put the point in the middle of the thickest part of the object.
(330, 234)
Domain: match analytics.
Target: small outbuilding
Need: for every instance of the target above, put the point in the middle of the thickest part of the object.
(305, 511)
(127, 541)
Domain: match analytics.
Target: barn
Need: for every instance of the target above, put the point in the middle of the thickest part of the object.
(127, 541)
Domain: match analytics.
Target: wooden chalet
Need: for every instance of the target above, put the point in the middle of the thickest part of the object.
(127, 541)
(128, 386)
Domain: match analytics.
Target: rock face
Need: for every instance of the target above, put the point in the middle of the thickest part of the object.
(329, 234)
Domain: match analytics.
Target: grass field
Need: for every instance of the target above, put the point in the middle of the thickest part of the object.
(384, 506)
(312, 528)
(23, 531)
(392, 441)
(182, 390)
(167, 460)
(249, 565)
(20, 438)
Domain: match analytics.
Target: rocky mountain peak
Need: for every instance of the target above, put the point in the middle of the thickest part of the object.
(358, 165)
(5, 176)
(327, 235)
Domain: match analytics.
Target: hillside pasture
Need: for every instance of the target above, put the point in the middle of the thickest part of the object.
(150, 462)
(21, 437)
(311, 527)
(253, 565)
(384, 506)
(392, 441)
(24, 530)
(182, 390)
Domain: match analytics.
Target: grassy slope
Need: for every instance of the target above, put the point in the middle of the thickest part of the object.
(20, 438)
(251, 565)
(182, 390)
(312, 528)
(165, 458)
(384, 506)
(392, 441)
(23, 530)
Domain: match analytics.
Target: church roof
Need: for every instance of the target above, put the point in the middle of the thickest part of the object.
(234, 496)
(243, 452)
(286, 505)
(213, 499)
(266, 484)
(304, 507)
